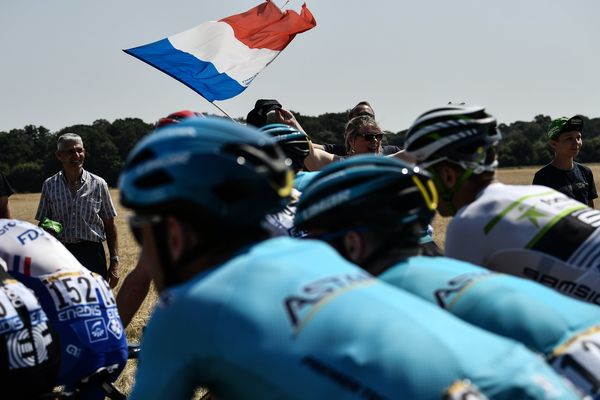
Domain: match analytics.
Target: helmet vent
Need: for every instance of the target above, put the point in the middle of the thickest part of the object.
(145, 155)
(155, 179)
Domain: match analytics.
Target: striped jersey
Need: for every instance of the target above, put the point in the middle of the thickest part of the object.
(80, 214)
(533, 232)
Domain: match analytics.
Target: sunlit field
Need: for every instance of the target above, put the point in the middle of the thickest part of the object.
(24, 206)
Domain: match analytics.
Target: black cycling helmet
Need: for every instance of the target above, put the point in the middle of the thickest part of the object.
(379, 192)
(464, 135)
(232, 172)
(294, 143)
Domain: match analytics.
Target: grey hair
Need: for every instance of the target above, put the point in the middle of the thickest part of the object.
(67, 137)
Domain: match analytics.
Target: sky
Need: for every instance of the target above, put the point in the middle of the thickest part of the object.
(61, 61)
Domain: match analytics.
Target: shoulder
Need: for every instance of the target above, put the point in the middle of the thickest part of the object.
(31, 245)
(545, 171)
(53, 179)
(95, 178)
(455, 265)
(585, 169)
(285, 250)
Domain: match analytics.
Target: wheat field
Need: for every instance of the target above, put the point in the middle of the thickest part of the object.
(24, 206)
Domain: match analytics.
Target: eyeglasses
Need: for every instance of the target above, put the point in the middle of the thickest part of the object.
(136, 222)
(371, 136)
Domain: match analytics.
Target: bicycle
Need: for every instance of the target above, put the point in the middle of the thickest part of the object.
(103, 377)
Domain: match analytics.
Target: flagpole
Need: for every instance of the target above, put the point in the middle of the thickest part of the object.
(223, 111)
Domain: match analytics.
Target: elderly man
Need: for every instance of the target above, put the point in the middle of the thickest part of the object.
(80, 201)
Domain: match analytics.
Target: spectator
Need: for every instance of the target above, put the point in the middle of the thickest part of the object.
(361, 109)
(80, 201)
(5, 191)
(362, 135)
(563, 173)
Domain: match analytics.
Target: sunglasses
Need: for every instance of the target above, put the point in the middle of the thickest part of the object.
(136, 222)
(370, 136)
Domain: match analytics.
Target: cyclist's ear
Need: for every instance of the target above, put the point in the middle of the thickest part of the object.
(355, 247)
(179, 236)
(448, 174)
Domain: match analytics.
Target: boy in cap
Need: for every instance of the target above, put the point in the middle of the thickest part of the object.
(563, 173)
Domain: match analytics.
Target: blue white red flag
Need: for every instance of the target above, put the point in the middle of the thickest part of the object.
(219, 59)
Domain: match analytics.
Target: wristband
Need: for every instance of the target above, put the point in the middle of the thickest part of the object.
(114, 258)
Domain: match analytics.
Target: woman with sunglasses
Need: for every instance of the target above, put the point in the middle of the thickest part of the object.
(362, 136)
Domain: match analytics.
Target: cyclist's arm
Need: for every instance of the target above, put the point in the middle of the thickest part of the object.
(132, 292)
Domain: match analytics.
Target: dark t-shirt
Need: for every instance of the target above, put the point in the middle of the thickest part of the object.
(578, 183)
(5, 188)
(340, 149)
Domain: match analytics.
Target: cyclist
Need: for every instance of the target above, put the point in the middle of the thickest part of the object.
(79, 304)
(376, 223)
(250, 317)
(296, 145)
(29, 353)
(528, 231)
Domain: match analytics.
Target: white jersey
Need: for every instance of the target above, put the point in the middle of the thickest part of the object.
(282, 223)
(78, 303)
(533, 232)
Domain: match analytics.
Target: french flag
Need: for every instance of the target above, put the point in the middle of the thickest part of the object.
(21, 265)
(219, 59)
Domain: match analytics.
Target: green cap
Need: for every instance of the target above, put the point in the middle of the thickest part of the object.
(564, 124)
(52, 226)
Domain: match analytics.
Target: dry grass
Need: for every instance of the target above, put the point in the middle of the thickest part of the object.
(24, 207)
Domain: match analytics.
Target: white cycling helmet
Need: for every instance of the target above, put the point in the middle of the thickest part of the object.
(464, 135)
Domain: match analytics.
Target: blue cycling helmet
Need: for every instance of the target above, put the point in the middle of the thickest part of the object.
(294, 143)
(376, 191)
(230, 171)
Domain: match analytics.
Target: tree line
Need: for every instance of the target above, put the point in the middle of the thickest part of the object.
(27, 154)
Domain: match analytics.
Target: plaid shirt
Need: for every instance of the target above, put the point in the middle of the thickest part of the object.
(81, 214)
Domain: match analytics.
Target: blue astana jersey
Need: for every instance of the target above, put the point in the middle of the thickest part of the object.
(289, 318)
(514, 307)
